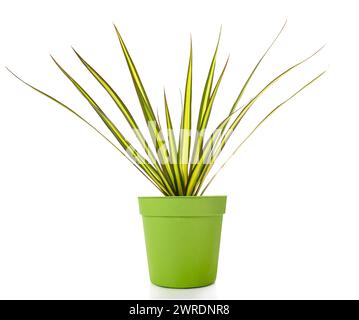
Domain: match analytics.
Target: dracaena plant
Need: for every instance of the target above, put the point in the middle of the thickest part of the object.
(177, 167)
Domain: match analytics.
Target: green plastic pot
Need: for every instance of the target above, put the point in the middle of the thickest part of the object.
(182, 239)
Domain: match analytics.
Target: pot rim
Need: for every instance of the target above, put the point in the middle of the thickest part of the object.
(182, 197)
(182, 206)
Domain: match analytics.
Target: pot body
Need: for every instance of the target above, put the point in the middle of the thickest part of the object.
(182, 239)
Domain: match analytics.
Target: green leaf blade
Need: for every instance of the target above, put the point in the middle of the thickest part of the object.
(185, 134)
(149, 115)
(256, 127)
(173, 148)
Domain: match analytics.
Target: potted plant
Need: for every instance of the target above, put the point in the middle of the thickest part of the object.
(183, 226)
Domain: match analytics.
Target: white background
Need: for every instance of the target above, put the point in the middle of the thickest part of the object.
(69, 221)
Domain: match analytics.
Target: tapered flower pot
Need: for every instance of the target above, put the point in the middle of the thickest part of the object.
(182, 239)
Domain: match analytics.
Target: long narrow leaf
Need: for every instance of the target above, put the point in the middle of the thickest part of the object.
(249, 105)
(207, 153)
(126, 113)
(200, 134)
(131, 151)
(198, 172)
(204, 105)
(91, 126)
(118, 101)
(153, 126)
(173, 147)
(256, 127)
(208, 85)
(185, 134)
(255, 69)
